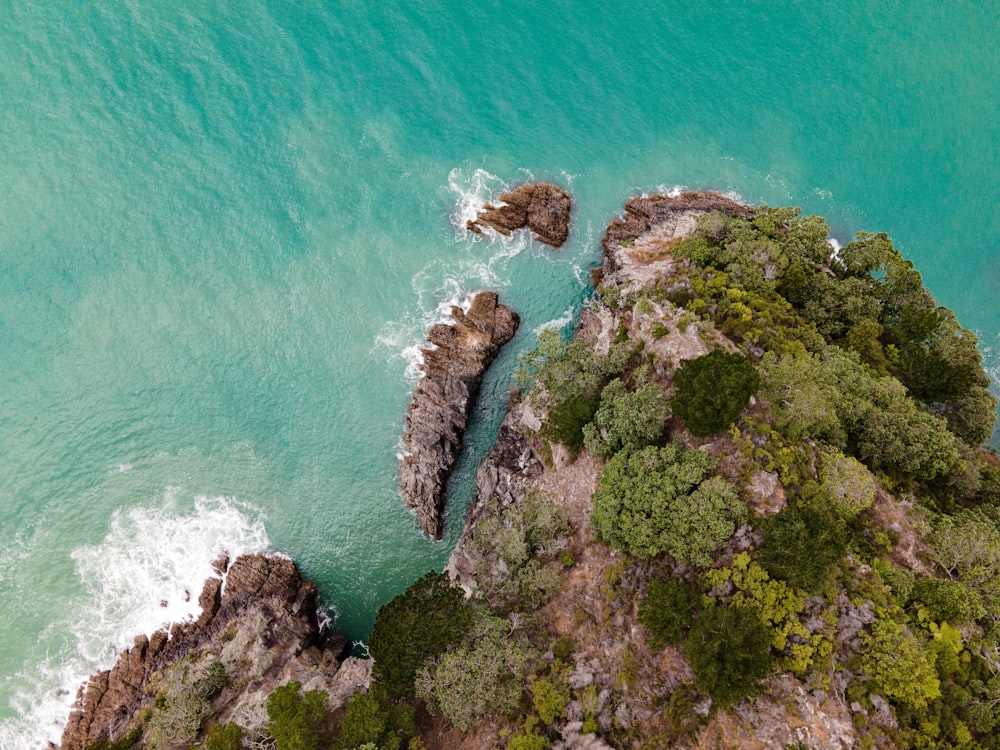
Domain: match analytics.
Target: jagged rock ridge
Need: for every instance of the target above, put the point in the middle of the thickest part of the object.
(543, 208)
(261, 625)
(438, 414)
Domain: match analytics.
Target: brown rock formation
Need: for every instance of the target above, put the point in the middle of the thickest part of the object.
(263, 626)
(543, 208)
(436, 420)
(644, 213)
(506, 472)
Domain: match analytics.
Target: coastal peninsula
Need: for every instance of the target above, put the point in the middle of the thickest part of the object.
(745, 505)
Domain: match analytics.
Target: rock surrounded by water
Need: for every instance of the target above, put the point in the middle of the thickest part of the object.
(437, 417)
(542, 207)
(258, 631)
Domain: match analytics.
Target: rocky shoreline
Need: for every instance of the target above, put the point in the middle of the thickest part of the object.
(258, 629)
(439, 411)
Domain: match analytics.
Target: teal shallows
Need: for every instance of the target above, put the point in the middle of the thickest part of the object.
(222, 229)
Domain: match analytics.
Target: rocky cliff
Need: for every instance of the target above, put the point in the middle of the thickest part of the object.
(543, 208)
(258, 629)
(438, 414)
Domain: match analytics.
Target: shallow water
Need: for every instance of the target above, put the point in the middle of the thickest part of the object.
(225, 233)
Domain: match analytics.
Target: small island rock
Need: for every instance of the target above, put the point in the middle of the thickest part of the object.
(438, 414)
(543, 208)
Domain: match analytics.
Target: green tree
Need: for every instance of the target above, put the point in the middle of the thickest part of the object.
(899, 666)
(414, 627)
(803, 544)
(663, 500)
(847, 482)
(627, 420)
(729, 650)
(947, 600)
(370, 718)
(481, 678)
(712, 390)
(295, 719)
(224, 737)
(518, 548)
(666, 612)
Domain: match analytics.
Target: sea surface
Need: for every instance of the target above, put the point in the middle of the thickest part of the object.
(225, 231)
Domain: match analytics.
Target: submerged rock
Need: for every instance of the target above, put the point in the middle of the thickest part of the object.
(438, 414)
(260, 626)
(542, 207)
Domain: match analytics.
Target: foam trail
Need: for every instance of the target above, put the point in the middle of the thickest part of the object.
(443, 284)
(147, 572)
(558, 323)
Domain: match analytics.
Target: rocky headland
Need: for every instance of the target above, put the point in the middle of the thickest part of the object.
(542, 207)
(435, 423)
(258, 629)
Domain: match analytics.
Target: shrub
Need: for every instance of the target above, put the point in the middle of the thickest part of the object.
(899, 666)
(803, 544)
(550, 698)
(666, 613)
(847, 481)
(528, 741)
(224, 737)
(729, 650)
(663, 500)
(371, 719)
(414, 627)
(947, 600)
(626, 421)
(294, 718)
(521, 549)
(482, 678)
(712, 390)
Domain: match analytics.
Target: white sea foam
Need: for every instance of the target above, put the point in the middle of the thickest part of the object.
(147, 572)
(442, 284)
(557, 323)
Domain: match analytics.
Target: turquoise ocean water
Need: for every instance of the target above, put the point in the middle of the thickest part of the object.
(225, 231)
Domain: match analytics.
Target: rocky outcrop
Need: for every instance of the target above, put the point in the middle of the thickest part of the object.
(260, 625)
(672, 215)
(437, 417)
(505, 474)
(542, 207)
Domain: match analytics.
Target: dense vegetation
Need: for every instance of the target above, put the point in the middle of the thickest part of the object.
(807, 501)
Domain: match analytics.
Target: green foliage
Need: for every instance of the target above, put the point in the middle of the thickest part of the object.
(832, 397)
(948, 600)
(414, 627)
(125, 742)
(712, 390)
(370, 718)
(847, 482)
(666, 612)
(729, 650)
(520, 551)
(295, 719)
(663, 500)
(804, 544)
(778, 605)
(899, 666)
(224, 737)
(214, 681)
(626, 421)
(550, 696)
(568, 378)
(180, 711)
(482, 678)
(967, 546)
(528, 741)
(867, 298)
(567, 419)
